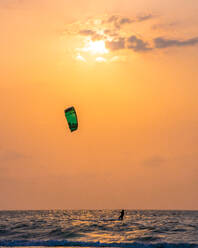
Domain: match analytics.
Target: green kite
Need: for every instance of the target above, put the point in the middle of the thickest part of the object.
(71, 117)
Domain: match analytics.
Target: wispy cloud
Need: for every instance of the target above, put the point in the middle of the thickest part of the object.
(145, 17)
(87, 32)
(93, 34)
(125, 20)
(118, 21)
(161, 42)
(116, 44)
(137, 44)
(132, 42)
(112, 18)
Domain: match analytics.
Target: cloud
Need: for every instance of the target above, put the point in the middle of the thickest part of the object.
(154, 161)
(87, 32)
(132, 42)
(93, 34)
(113, 18)
(142, 18)
(111, 33)
(80, 58)
(161, 42)
(125, 20)
(137, 44)
(118, 21)
(116, 44)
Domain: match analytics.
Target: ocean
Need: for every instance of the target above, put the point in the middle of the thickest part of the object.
(99, 228)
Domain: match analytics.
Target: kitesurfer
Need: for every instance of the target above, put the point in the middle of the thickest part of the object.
(121, 215)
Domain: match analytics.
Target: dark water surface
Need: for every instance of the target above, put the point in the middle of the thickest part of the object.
(99, 228)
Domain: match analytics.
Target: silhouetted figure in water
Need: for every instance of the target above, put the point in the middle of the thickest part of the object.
(121, 215)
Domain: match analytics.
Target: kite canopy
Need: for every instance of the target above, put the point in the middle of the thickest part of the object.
(71, 117)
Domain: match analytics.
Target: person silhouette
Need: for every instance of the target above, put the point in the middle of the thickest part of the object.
(121, 215)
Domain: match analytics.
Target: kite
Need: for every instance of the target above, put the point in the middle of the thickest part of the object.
(71, 118)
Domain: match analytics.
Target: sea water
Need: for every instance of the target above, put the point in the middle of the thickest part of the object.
(99, 228)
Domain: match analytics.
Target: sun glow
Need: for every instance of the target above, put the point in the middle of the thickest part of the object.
(95, 47)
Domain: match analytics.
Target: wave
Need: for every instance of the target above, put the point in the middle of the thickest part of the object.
(65, 243)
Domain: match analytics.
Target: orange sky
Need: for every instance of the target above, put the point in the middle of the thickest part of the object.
(130, 70)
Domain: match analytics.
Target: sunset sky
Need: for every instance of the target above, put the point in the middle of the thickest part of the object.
(130, 69)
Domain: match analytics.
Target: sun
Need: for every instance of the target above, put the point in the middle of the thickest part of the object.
(92, 51)
(95, 47)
